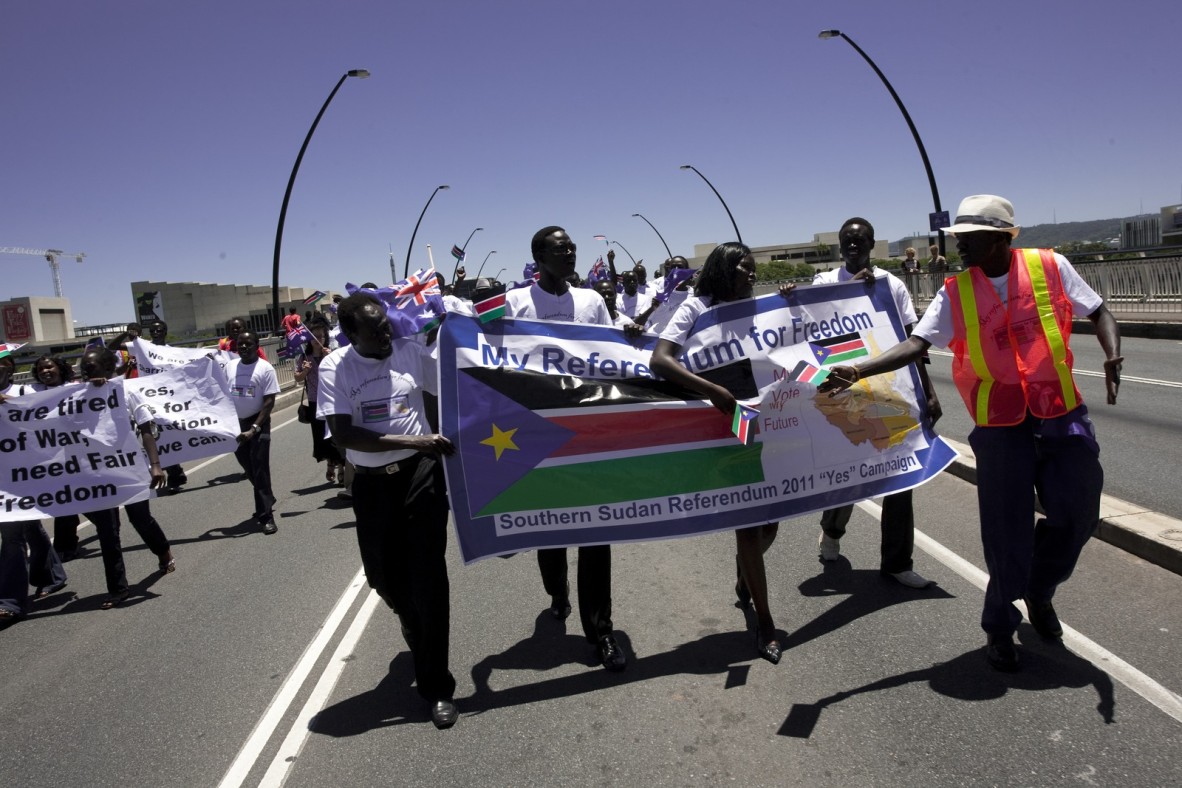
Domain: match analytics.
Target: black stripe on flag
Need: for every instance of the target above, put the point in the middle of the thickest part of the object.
(831, 341)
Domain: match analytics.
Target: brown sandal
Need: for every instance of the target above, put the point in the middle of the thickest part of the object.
(116, 599)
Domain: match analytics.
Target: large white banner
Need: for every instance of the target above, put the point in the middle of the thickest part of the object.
(69, 450)
(192, 407)
(152, 358)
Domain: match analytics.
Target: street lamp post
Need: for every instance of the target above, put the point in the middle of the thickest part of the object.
(738, 235)
(923, 154)
(406, 266)
(360, 73)
(481, 268)
(630, 257)
(658, 232)
(463, 248)
(497, 276)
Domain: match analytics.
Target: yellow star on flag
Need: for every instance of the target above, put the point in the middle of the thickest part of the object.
(501, 440)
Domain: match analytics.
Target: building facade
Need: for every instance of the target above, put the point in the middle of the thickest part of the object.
(199, 307)
(35, 319)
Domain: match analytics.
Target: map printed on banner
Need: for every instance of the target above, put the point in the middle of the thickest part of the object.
(566, 437)
(69, 450)
(192, 408)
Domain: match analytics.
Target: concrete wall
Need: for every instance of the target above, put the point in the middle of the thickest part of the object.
(36, 319)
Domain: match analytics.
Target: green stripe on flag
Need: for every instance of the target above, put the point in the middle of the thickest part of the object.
(838, 358)
(631, 479)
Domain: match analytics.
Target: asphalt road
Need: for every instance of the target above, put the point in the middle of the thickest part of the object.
(1140, 447)
(263, 658)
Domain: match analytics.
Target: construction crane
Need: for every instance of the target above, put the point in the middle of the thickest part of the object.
(51, 255)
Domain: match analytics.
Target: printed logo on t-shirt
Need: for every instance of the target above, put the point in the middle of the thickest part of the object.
(242, 391)
(380, 410)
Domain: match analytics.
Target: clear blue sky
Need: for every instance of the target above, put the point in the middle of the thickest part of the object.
(157, 137)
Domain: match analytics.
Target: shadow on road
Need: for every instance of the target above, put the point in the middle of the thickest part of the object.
(1045, 666)
(867, 590)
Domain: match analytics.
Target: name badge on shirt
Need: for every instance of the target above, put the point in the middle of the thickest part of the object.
(242, 391)
(382, 410)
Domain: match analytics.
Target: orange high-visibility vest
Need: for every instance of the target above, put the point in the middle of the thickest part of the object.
(1008, 358)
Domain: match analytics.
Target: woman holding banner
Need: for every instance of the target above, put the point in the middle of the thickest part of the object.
(728, 275)
(50, 372)
(307, 372)
(98, 366)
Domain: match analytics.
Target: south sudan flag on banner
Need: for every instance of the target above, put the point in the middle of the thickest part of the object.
(552, 441)
(838, 350)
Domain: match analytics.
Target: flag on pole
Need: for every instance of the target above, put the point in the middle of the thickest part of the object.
(602, 238)
(672, 280)
(741, 426)
(457, 253)
(491, 309)
(297, 337)
(8, 348)
(316, 296)
(598, 273)
(805, 372)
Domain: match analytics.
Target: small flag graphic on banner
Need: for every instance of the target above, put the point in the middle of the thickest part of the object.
(457, 252)
(837, 350)
(491, 308)
(805, 372)
(743, 423)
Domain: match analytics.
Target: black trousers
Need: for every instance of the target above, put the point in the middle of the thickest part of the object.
(898, 530)
(106, 523)
(595, 585)
(254, 456)
(402, 535)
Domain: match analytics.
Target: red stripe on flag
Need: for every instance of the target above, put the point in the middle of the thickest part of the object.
(845, 347)
(639, 429)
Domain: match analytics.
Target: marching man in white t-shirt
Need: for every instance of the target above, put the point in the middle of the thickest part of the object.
(552, 298)
(371, 395)
(253, 386)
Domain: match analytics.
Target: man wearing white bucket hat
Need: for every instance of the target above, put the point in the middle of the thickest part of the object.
(1007, 319)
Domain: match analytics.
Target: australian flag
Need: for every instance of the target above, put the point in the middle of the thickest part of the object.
(413, 305)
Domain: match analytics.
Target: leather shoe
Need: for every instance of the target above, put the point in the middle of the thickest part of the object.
(269, 527)
(560, 605)
(444, 713)
(611, 655)
(768, 648)
(1043, 619)
(1001, 653)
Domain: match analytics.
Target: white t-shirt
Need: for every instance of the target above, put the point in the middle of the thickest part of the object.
(622, 320)
(382, 395)
(936, 325)
(665, 312)
(632, 305)
(458, 305)
(576, 305)
(898, 289)
(683, 319)
(249, 384)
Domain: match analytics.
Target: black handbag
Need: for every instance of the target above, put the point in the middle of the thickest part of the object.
(304, 411)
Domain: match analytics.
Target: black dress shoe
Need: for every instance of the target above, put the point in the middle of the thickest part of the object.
(1043, 619)
(611, 655)
(768, 648)
(444, 713)
(269, 527)
(1001, 653)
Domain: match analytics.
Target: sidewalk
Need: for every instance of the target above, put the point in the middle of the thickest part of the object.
(1152, 536)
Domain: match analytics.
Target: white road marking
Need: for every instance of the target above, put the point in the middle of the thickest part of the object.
(1089, 374)
(283, 699)
(289, 750)
(1160, 696)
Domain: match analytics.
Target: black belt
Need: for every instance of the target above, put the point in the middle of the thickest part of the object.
(387, 470)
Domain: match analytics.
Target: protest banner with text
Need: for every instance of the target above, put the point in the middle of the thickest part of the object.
(566, 437)
(69, 450)
(192, 408)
